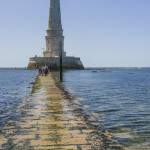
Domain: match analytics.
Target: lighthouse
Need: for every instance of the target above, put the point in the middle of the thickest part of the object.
(54, 47)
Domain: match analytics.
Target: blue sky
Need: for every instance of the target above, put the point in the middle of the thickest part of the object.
(106, 33)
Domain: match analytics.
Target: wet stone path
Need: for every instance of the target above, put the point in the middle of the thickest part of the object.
(48, 120)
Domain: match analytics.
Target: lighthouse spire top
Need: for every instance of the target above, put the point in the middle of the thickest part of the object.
(54, 15)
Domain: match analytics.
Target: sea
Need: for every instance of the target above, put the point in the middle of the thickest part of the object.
(15, 87)
(119, 98)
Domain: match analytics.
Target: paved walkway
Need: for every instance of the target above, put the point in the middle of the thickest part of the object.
(49, 120)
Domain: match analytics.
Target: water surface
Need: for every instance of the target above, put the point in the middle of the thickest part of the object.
(119, 98)
(15, 86)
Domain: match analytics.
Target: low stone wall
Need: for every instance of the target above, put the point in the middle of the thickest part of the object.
(53, 63)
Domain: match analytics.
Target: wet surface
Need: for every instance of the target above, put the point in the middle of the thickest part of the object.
(15, 86)
(120, 100)
(49, 120)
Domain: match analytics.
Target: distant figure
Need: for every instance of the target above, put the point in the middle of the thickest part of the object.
(43, 71)
(40, 71)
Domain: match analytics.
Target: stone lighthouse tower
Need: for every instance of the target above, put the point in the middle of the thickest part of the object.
(55, 44)
(54, 37)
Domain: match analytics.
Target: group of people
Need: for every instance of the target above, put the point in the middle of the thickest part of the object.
(43, 71)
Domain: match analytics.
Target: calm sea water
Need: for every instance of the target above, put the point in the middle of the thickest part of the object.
(15, 86)
(119, 98)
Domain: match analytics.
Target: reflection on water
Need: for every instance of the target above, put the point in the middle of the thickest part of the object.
(119, 98)
(14, 86)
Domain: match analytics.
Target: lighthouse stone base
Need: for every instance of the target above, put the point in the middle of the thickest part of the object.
(53, 62)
